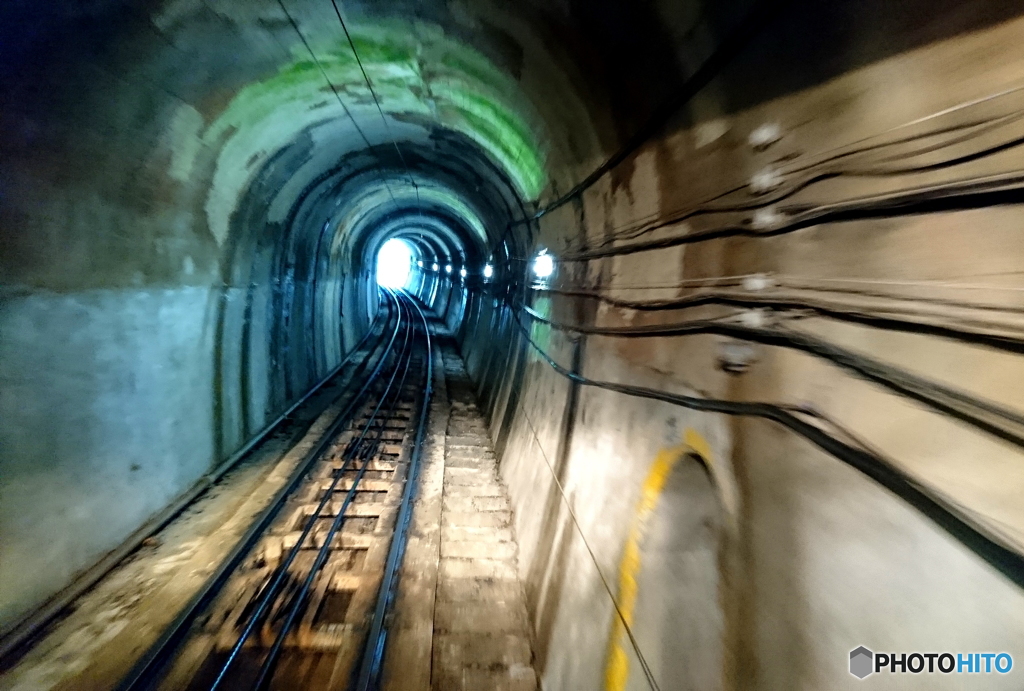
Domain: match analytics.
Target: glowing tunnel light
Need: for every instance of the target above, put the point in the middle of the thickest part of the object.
(543, 265)
(463, 272)
(394, 263)
(448, 269)
(434, 267)
(488, 271)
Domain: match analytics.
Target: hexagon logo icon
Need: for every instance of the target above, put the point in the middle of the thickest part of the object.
(861, 662)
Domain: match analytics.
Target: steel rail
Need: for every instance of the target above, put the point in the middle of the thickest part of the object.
(361, 449)
(376, 640)
(146, 672)
(28, 627)
(269, 594)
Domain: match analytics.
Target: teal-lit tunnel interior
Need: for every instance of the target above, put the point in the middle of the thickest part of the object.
(735, 286)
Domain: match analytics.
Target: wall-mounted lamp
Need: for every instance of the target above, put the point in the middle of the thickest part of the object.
(543, 265)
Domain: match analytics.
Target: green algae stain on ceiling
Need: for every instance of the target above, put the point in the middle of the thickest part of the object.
(417, 71)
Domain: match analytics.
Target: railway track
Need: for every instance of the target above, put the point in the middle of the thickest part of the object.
(303, 600)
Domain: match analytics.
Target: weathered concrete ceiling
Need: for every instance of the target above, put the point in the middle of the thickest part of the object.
(161, 116)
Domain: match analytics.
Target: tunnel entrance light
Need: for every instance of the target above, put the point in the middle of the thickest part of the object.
(488, 271)
(543, 265)
(463, 272)
(435, 267)
(394, 264)
(448, 269)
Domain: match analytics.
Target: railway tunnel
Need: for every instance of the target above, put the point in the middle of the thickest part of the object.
(457, 344)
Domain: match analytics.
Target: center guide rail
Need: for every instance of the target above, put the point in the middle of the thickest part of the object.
(303, 599)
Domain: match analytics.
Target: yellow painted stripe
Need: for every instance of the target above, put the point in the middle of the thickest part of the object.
(617, 666)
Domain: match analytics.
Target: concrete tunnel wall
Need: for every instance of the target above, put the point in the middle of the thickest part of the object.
(182, 213)
(177, 270)
(813, 557)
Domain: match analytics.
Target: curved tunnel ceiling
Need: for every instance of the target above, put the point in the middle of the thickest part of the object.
(192, 193)
(215, 103)
(439, 100)
(172, 110)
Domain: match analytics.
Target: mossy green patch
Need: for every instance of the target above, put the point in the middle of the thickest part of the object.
(371, 50)
(415, 69)
(480, 70)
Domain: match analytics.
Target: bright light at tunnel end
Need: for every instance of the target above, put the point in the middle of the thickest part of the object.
(488, 271)
(394, 264)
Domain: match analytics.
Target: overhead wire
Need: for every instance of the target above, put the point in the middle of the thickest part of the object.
(1006, 532)
(761, 14)
(639, 226)
(655, 222)
(999, 336)
(813, 284)
(957, 195)
(974, 129)
(376, 101)
(984, 415)
(334, 90)
(930, 283)
(979, 537)
(830, 154)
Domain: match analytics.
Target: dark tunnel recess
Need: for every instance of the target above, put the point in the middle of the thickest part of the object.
(305, 242)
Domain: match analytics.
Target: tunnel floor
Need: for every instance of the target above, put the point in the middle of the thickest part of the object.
(480, 625)
(459, 621)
